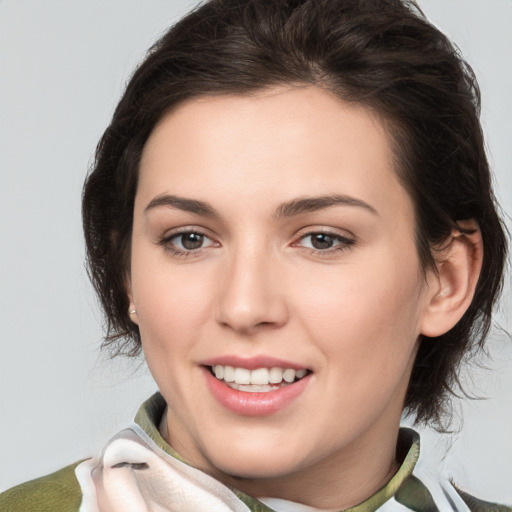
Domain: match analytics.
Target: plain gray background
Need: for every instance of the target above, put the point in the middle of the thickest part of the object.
(62, 68)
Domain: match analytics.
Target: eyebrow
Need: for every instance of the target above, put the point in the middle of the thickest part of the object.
(287, 209)
(311, 204)
(182, 203)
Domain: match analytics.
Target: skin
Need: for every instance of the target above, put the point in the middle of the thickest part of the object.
(351, 313)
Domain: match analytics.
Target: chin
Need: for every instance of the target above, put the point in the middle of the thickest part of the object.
(250, 466)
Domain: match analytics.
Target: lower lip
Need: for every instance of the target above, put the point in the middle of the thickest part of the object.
(254, 404)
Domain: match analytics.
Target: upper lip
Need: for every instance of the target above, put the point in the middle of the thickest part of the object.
(252, 363)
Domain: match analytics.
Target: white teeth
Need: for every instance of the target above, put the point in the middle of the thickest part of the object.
(253, 388)
(289, 375)
(260, 376)
(275, 375)
(242, 376)
(243, 379)
(219, 371)
(229, 373)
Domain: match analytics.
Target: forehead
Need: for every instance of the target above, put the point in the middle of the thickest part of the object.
(269, 147)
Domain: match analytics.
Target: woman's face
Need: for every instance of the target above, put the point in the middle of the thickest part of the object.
(271, 231)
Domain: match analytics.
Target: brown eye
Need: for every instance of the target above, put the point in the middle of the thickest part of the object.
(186, 243)
(190, 241)
(322, 241)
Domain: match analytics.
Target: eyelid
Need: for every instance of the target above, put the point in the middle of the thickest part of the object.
(346, 239)
(327, 230)
(166, 240)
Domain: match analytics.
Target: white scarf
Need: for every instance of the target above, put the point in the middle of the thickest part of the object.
(134, 475)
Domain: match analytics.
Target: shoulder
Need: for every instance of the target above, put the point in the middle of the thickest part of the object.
(478, 505)
(57, 492)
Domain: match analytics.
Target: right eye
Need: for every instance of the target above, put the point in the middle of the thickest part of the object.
(186, 242)
(189, 241)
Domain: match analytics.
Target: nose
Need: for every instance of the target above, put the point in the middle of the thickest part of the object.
(251, 293)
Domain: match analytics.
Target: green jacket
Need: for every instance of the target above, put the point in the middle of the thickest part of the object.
(63, 491)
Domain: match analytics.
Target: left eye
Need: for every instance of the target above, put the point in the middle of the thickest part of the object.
(324, 241)
(190, 241)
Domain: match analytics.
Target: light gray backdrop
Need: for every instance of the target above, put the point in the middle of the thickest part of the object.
(62, 68)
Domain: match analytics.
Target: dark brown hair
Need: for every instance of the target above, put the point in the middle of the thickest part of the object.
(382, 54)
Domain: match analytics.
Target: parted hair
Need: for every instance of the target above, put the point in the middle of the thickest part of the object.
(382, 54)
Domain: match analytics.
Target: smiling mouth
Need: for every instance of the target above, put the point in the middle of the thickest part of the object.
(259, 380)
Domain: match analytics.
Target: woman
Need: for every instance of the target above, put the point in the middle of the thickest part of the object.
(291, 214)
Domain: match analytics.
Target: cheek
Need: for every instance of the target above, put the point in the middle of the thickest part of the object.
(172, 313)
(172, 303)
(364, 314)
(366, 329)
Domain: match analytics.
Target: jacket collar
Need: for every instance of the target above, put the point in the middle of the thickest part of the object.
(403, 486)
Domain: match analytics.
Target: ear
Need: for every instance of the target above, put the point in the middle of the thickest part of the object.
(452, 287)
(132, 310)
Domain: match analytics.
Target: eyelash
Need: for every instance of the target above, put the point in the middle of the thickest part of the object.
(344, 243)
(167, 243)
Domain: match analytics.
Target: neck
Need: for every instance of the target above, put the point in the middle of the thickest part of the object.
(339, 482)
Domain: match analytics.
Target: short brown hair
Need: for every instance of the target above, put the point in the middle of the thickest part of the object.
(379, 53)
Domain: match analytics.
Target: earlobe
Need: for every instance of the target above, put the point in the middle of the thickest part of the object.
(452, 287)
(132, 310)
